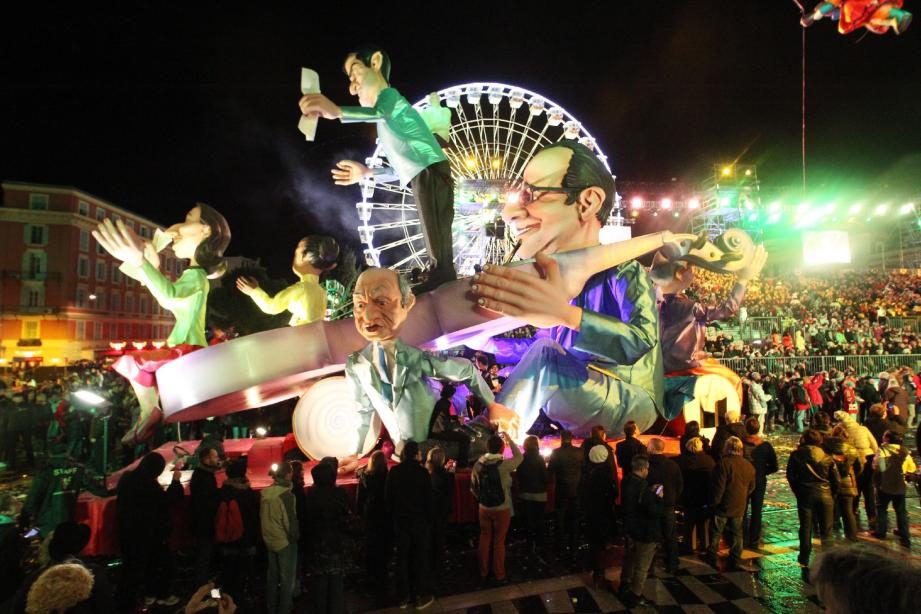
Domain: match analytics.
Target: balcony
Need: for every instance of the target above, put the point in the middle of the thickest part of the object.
(54, 276)
(29, 310)
(29, 343)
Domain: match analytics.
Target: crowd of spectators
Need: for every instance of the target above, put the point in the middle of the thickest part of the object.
(852, 313)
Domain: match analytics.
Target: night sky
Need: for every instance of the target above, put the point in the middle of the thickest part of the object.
(157, 108)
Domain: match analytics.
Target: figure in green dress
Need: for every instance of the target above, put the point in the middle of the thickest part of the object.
(202, 239)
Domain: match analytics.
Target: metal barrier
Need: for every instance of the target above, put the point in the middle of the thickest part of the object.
(862, 364)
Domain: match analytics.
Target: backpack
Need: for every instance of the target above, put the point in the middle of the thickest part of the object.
(228, 523)
(488, 490)
(799, 394)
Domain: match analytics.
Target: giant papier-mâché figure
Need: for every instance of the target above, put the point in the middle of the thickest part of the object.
(414, 154)
(201, 239)
(306, 299)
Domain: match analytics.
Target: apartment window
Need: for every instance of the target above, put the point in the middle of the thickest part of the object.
(30, 329)
(36, 265)
(36, 234)
(32, 297)
(178, 266)
(97, 330)
(142, 304)
(129, 303)
(129, 281)
(129, 224)
(100, 300)
(80, 330)
(38, 202)
(81, 297)
(99, 250)
(100, 214)
(144, 232)
(100, 270)
(84, 240)
(116, 274)
(115, 303)
(83, 208)
(83, 267)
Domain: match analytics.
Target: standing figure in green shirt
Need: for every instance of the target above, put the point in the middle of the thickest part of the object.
(306, 300)
(412, 150)
(202, 239)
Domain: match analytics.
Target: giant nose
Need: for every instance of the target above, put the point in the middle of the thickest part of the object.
(514, 208)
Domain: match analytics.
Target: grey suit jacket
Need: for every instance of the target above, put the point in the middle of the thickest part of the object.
(408, 416)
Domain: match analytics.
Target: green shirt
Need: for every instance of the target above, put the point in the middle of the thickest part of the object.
(186, 298)
(306, 300)
(407, 141)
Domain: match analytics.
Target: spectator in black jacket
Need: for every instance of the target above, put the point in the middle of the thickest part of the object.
(731, 428)
(625, 450)
(598, 438)
(566, 468)
(69, 539)
(663, 470)
(443, 502)
(763, 457)
(203, 502)
(330, 513)
(692, 430)
(812, 477)
(733, 482)
(143, 532)
(409, 501)
(642, 508)
(696, 466)
(532, 492)
(239, 557)
(879, 422)
(849, 465)
(372, 508)
(298, 489)
(599, 491)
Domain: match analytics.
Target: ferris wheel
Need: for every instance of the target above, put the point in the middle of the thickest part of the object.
(489, 131)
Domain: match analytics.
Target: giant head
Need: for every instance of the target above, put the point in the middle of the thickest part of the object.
(202, 237)
(315, 254)
(564, 199)
(381, 301)
(368, 69)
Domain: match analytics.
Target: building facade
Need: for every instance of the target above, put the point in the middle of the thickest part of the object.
(62, 297)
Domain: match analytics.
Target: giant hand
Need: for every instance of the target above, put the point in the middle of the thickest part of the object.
(348, 172)
(506, 420)
(120, 241)
(539, 301)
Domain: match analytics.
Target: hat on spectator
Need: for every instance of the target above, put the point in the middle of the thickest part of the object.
(598, 454)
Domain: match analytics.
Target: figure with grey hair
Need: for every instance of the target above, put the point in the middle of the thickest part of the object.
(732, 482)
(390, 377)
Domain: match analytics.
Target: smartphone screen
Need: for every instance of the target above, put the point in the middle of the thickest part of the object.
(215, 593)
(32, 533)
(659, 489)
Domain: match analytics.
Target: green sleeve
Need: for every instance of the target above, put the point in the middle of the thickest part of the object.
(624, 342)
(162, 288)
(386, 101)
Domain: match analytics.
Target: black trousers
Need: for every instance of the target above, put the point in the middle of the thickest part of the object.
(567, 522)
(413, 560)
(808, 509)
(667, 524)
(433, 189)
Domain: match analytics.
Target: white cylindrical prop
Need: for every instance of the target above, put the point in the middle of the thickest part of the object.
(326, 421)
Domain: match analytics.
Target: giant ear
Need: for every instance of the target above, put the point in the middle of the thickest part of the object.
(377, 59)
(591, 200)
(410, 301)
